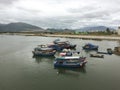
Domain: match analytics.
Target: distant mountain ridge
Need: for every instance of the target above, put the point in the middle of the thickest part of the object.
(19, 27)
(94, 28)
(84, 29)
(24, 27)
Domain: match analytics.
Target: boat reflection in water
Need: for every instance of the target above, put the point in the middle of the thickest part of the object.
(39, 59)
(71, 71)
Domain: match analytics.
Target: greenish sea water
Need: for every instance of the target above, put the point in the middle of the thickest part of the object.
(20, 71)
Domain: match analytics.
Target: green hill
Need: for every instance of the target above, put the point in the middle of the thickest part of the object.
(19, 27)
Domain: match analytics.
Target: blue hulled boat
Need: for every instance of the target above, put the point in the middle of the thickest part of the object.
(60, 45)
(56, 46)
(90, 47)
(70, 62)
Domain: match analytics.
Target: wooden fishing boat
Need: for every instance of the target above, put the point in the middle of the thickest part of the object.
(44, 51)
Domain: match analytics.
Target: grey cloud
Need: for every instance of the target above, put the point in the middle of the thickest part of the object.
(54, 22)
(82, 9)
(28, 10)
(96, 14)
(78, 17)
(7, 1)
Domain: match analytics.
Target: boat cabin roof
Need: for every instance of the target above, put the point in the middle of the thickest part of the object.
(89, 44)
(43, 49)
(58, 41)
(67, 57)
(75, 57)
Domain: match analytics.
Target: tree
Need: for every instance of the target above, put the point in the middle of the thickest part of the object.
(108, 30)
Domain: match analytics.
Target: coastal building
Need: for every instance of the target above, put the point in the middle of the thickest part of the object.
(118, 30)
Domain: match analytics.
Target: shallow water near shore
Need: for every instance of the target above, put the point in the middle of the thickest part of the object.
(19, 70)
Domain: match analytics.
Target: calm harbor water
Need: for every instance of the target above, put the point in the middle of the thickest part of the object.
(20, 71)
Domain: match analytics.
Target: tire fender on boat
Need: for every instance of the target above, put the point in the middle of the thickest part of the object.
(80, 64)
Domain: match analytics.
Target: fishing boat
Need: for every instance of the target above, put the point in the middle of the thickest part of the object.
(97, 55)
(68, 52)
(58, 41)
(38, 51)
(56, 46)
(90, 46)
(60, 45)
(70, 62)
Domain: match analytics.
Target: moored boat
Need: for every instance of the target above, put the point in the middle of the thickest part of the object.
(68, 52)
(60, 45)
(70, 62)
(90, 47)
(38, 51)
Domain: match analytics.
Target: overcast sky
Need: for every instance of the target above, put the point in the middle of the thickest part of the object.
(61, 13)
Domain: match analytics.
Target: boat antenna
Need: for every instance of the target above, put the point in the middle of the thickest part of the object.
(82, 53)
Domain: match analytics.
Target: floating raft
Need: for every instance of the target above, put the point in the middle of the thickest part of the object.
(109, 51)
(96, 55)
(102, 52)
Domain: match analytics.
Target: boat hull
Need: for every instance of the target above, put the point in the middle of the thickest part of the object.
(90, 47)
(94, 48)
(70, 65)
(61, 47)
(43, 54)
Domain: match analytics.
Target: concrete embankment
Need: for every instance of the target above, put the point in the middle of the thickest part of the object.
(87, 37)
(93, 37)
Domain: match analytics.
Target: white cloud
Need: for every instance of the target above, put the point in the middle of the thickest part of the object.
(61, 13)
